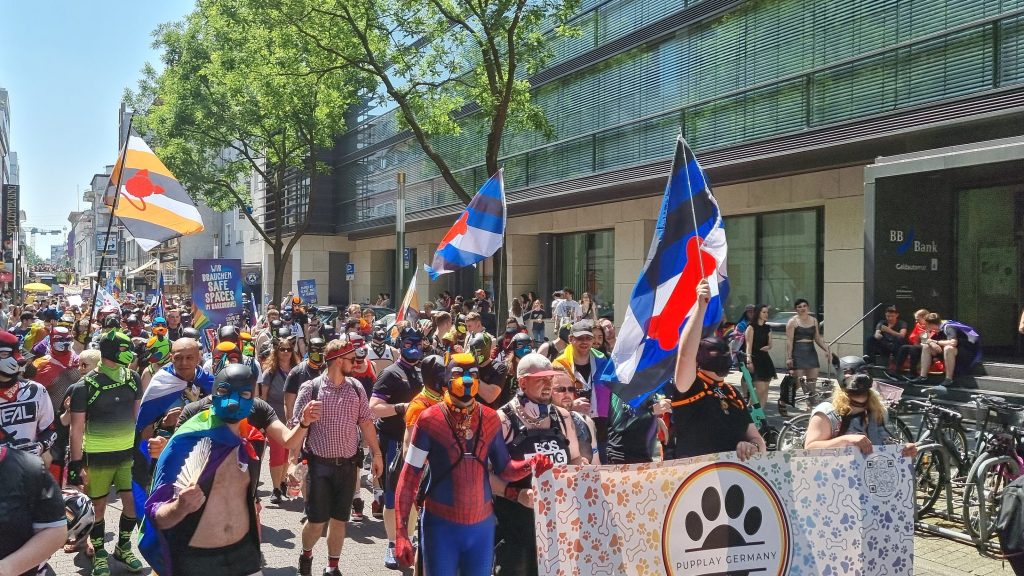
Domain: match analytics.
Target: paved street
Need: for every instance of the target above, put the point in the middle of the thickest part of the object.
(363, 551)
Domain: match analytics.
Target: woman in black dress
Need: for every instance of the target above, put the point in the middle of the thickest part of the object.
(759, 361)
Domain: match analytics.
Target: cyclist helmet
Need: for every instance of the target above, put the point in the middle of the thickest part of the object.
(80, 513)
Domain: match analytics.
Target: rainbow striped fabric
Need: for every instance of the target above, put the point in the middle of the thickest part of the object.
(153, 205)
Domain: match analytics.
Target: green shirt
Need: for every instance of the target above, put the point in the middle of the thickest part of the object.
(107, 396)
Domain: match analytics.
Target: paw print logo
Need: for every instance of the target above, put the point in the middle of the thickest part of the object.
(723, 535)
(726, 519)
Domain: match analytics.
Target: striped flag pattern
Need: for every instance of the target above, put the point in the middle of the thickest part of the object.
(689, 244)
(153, 205)
(477, 234)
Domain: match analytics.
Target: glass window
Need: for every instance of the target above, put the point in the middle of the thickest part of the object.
(585, 262)
(775, 259)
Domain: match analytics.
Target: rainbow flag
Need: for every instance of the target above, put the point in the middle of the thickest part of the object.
(153, 205)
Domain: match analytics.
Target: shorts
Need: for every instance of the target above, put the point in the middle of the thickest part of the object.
(239, 559)
(330, 489)
(278, 453)
(101, 476)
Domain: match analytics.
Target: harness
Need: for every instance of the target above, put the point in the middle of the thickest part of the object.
(725, 394)
(97, 388)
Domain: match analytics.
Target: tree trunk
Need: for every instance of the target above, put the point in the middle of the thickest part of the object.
(279, 259)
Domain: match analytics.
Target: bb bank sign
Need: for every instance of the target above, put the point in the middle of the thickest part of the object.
(802, 512)
(907, 244)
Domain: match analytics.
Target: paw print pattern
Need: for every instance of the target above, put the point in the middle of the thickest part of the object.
(724, 535)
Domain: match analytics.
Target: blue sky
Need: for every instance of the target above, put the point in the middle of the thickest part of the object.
(65, 65)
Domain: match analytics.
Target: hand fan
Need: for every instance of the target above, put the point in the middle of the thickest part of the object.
(194, 464)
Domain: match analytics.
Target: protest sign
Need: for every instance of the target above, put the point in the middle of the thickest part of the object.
(799, 512)
(216, 292)
(307, 291)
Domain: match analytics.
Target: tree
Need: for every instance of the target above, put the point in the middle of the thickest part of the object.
(446, 64)
(238, 96)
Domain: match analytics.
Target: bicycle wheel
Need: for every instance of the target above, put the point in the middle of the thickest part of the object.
(930, 477)
(983, 496)
(956, 437)
(901, 431)
(791, 437)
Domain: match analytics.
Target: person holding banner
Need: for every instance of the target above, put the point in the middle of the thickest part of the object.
(855, 416)
(531, 424)
(708, 416)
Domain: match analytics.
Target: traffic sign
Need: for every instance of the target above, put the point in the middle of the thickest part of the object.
(252, 278)
(350, 271)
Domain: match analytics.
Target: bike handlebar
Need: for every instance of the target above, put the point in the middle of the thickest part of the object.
(934, 410)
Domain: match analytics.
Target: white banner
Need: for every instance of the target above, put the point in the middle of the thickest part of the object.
(799, 512)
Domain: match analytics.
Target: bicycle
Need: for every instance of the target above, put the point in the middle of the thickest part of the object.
(794, 430)
(994, 468)
(940, 440)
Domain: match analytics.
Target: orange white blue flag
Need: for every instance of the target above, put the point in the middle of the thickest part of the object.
(153, 205)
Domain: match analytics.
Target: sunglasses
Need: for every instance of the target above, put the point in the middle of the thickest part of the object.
(285, 349)
(564, 390)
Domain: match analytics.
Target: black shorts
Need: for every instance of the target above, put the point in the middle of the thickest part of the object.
(239, 559)
(330, 489)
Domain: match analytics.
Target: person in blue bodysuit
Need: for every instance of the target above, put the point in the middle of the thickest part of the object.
(457, 438)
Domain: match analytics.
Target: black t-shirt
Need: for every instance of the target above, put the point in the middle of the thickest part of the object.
(702, 426)
(630, 432)
(535, 316)
(900, 325)
(396, 384)
(30, 500)
(299, 375)
(496, 374)
(262, 415)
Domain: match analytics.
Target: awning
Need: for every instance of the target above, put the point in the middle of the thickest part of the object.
(151, 264)
(91, 275)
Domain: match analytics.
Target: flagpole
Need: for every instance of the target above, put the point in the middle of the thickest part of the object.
(113, 208)
(693, 209)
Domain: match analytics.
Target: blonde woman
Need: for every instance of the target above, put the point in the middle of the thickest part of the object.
(854, 417)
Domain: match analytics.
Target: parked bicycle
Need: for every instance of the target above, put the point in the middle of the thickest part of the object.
(998, 463)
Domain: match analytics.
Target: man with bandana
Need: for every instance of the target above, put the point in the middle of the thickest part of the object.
(395, 387)
(201, 517)
(332, 448)
(461, 441)
(103, 410)
(58, 369)
(26, 412)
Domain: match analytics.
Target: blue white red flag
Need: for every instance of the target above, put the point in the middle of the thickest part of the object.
(477, 234)
(689, 243)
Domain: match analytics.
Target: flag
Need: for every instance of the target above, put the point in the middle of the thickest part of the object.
(477, 234)
(153, 205)
(410, 308)
(689, 242)
(105, 298)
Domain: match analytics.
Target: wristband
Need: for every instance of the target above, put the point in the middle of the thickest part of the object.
(512, 493)
(303, 426)
(75, 472)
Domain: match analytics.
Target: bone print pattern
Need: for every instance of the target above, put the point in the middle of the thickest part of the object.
(842, 517)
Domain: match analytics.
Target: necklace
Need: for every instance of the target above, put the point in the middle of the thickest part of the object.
(530, 420)
(461, 420)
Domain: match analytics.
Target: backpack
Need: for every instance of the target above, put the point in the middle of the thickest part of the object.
(1010, 525)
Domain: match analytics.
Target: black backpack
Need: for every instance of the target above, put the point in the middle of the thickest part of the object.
(1010, 525)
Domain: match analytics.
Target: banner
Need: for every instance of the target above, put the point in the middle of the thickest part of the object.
(10, 201)
(216, 293)
(799, 512)
(307, 291)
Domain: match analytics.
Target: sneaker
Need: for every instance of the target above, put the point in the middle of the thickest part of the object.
(332, 571)
(275, 498)
(100, 566)
(947, 383)
(918, 379)
(127, 557)
(376, 509)
(390, 562)
(305, 565)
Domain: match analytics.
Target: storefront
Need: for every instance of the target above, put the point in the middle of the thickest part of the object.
(944, 230)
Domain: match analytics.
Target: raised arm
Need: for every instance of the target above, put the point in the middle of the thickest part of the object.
(689, 341)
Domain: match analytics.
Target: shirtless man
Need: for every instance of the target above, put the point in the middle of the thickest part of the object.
(209, 526)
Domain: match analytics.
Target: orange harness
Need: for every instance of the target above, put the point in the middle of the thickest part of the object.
(726, 394)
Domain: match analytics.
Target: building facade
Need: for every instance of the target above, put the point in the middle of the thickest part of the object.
(862, 152)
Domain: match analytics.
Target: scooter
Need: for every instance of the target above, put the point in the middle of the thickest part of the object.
(768, 432)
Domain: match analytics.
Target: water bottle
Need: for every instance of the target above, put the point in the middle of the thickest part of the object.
(298, 475)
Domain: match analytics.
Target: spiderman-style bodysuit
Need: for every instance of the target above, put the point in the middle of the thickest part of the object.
(457, 524)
